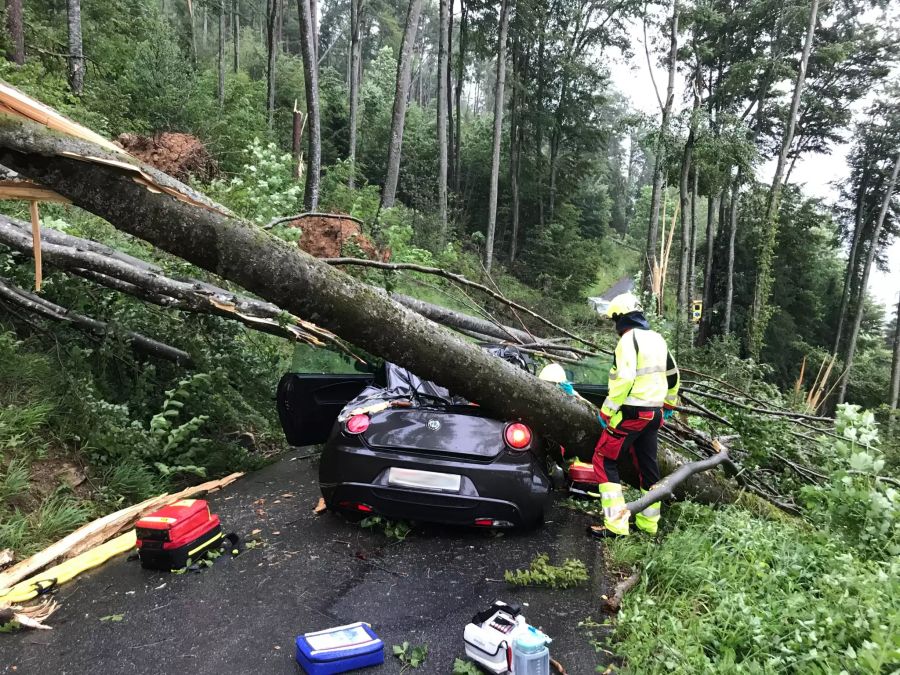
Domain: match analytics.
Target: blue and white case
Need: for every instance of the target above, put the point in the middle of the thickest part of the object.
(337, 650)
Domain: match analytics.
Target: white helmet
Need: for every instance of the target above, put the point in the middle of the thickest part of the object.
(553, 372)
(623, 304)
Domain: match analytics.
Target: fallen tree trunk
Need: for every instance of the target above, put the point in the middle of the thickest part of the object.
(209, 237)
(140, 343)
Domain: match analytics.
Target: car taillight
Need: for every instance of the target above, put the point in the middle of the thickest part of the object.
(358, 424)
(356, 506)
(517, 436)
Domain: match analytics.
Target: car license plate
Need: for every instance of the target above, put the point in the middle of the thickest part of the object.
(424, 480)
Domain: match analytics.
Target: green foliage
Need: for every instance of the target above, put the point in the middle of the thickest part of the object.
(396, 530)
(726, 592)
(263, 188)
(14, 479)
(461, 667)
(856, 501)
(410, 656)
(541, 573)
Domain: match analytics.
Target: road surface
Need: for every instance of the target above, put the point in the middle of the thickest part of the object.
(314, 572)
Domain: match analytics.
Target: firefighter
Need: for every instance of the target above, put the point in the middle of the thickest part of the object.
(643, 392)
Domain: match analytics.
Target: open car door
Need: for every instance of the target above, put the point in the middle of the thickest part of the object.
(308, 404)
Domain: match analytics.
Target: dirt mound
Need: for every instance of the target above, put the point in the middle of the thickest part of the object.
(336, 236)
(179, 155)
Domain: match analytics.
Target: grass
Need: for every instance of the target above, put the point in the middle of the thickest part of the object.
(727, 592)
(571, 573)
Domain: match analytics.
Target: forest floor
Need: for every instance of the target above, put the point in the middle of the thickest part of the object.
(313, 572)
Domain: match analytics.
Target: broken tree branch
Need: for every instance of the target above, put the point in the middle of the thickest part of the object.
(762, 411)
(42, 307)
(463, 281)
(625, 585)
(665, 488)
(127, 274)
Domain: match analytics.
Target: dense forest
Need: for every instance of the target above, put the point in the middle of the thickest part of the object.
(489, 140)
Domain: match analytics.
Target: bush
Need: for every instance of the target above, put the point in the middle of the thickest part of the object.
(726, 592)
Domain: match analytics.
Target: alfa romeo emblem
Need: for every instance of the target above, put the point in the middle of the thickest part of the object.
(434, 425)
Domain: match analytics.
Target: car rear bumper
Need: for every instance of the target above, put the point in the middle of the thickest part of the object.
(519, 491)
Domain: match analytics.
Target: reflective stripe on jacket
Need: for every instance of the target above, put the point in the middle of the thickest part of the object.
(643, 375)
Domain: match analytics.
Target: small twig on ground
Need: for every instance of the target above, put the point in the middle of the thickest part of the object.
(615, 602)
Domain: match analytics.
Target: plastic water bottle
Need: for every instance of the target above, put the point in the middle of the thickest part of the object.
(530, 653)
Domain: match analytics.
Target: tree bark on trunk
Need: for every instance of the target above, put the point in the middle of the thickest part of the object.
(692, 261)
(271, 57)
(515, 151)
(443, 78)
(460, 80)
(863, 285)
(191, 33)
(660, 158)
(895, 364)
(311, 82)
(355, 56)
(760, 311)
(498, 134)
(684, 195)
(451, 133)
(235, 34)
(712, 211)
(15, 27)
(401, 92)
(220, 58)
(184, 223)
(732, 233)
(76, 49)
(852, 265)
(314, 29)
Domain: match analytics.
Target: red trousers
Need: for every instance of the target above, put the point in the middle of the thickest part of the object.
(637, 434)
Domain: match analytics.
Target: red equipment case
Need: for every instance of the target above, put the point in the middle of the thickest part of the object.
(173, 536)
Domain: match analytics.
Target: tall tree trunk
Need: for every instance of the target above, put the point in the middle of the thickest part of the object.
(895, 364)
(460, 80)
(221, 55)
(398, 118)
(732, 232)
(498, 133)
(712, 211)
(236, 33)
(205, 27)
(15, 27)
(271, 57)
(692, 260)
(76, 49)
(191, 33)
(760, 311)
(660, 152)
(451, 134)
(850, 274)
(683, 301)
(311, 81)
(515, 129)
(863, 285)
(442, 105)
(355, 56)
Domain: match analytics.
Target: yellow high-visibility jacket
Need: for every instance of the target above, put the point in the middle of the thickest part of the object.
(643, 375)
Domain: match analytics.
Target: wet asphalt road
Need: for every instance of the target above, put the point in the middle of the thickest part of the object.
(313, 572)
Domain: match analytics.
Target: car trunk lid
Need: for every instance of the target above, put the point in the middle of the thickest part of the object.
(436, 432)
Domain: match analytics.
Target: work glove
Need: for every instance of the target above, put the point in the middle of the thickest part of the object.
(567, 388)
(668, 414)
(603, 418)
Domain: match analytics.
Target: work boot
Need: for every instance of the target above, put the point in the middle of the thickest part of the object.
(648, 520)
(600, 532)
